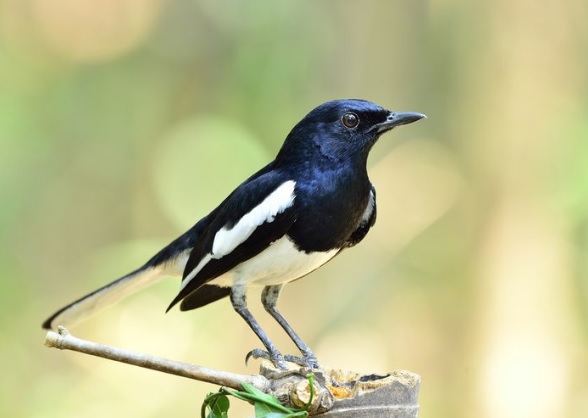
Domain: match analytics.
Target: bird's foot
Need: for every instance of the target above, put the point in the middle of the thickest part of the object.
(308, 361)
(275, 357)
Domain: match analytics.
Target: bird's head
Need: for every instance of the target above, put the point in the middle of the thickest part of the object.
(342, 129)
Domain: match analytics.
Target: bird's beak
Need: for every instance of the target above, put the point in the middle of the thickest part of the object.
(397, 119)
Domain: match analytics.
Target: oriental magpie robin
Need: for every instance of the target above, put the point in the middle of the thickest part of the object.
(288, 219)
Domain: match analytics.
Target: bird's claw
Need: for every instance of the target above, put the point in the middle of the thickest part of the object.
(276, 358)
(308, 361)
(279, 360)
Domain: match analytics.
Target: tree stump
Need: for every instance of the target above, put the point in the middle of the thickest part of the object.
(343, 394)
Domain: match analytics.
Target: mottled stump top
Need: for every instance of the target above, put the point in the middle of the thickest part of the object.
(343, 394)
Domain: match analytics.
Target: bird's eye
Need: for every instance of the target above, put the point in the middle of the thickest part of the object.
(350, 120)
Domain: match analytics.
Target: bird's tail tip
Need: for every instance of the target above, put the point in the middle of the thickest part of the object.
(90, 304)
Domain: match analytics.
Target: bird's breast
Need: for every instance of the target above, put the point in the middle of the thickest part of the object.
(279, 263)
(329, 211)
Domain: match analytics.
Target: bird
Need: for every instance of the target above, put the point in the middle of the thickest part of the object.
(305, 207)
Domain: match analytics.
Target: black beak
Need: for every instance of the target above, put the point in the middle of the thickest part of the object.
(397, 119)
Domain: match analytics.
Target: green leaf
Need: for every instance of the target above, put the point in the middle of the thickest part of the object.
(218, 404)
(266, 406)
(264, 409)
(262, 396)
(219, 407)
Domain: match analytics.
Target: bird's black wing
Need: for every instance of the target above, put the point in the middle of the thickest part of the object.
(257, 213)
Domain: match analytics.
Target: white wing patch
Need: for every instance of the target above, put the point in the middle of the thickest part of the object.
(227, 239)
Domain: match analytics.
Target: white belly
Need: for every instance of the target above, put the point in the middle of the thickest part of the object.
(280, 263)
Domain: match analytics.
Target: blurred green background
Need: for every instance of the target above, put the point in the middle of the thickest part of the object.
(122, 122)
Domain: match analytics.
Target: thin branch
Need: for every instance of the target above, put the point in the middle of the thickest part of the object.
(334, 393)
(63, 340)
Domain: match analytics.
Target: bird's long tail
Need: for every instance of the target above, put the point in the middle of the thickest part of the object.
(170, 261)
(88, 305)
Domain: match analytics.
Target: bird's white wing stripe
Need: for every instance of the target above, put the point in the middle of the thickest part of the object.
(196, 270)
(227, 239)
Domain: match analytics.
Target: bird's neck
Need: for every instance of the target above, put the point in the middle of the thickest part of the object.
(321, 155)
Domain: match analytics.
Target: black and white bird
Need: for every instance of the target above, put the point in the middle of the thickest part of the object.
(285, 221)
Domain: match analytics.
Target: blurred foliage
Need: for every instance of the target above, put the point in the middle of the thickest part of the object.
(122, 122)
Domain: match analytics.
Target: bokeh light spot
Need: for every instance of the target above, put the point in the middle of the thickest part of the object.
(417, 184)
(199, 163)
(94, 30)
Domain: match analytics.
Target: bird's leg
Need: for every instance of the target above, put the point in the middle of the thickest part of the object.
(269, 298)
(239, 302)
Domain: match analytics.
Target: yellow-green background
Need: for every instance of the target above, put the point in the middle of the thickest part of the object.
(122, 122)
